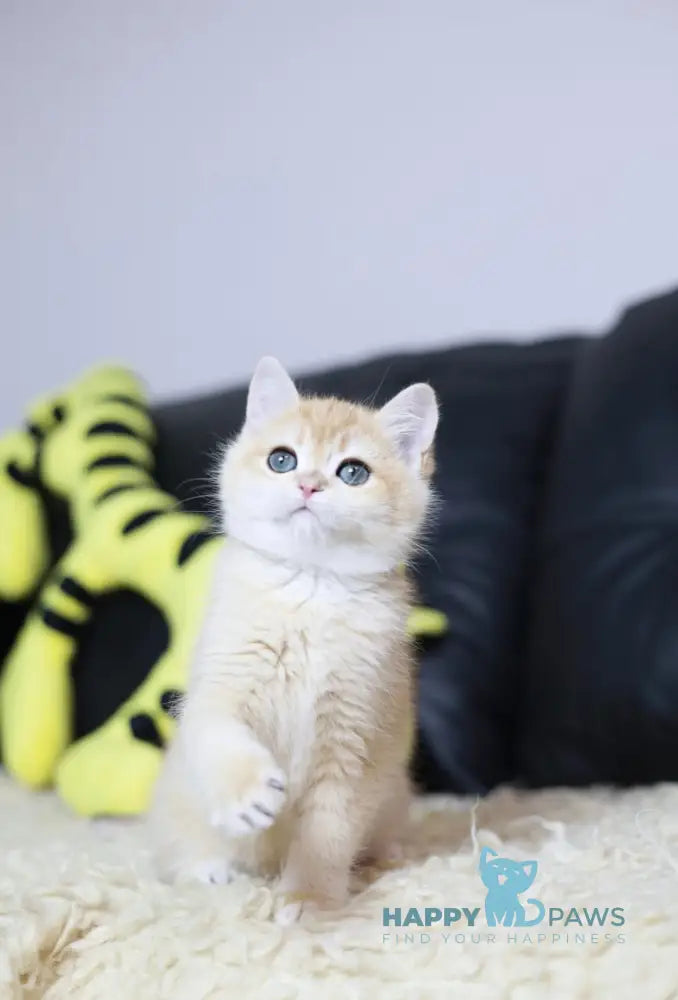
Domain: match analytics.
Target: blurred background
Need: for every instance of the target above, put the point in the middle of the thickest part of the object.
(187, 185)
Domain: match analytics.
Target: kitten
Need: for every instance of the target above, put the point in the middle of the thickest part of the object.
(292, 746)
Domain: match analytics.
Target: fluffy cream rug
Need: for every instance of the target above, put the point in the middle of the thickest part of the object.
(82, 917)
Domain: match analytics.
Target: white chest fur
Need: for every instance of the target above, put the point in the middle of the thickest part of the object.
(306, 651)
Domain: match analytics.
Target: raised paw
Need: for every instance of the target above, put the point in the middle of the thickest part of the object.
(260, 795)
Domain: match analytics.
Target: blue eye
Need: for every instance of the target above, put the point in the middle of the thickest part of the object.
(353, 473)
(282, 460)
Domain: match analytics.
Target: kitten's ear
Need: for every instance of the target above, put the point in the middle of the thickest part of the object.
(410, 419)
(271, 392)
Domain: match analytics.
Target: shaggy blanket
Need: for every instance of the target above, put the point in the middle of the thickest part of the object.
(82, 916)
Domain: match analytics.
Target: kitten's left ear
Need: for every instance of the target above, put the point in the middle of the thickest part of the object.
(271, 392)
(410, 419)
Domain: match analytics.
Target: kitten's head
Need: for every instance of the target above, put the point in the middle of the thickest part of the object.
(517, 876)
(325, 483)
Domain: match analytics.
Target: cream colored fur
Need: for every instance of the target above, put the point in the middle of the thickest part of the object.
(292, 748)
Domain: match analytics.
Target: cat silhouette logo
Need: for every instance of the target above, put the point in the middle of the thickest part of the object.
(505, 880)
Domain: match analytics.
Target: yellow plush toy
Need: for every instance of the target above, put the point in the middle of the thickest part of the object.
(127, 532)
(24, 545)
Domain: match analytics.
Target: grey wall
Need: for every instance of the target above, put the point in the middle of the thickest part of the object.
(186, 184)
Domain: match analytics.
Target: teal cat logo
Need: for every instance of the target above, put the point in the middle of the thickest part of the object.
(506, 879)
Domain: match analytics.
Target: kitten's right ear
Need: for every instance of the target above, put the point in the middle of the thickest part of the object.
(271, 392)
(486, 855)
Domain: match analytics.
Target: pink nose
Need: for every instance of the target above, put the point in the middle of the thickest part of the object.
(308, 490)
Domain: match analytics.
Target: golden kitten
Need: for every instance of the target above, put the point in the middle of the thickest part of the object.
(292, 746)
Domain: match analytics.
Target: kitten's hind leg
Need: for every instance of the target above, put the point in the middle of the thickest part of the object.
(186, 847)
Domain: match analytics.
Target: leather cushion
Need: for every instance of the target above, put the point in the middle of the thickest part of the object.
(600, 701)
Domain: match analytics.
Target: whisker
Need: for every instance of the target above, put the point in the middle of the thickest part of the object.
(198, 480)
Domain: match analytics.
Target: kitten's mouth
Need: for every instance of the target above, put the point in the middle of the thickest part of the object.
(501, 879)
(303, 509)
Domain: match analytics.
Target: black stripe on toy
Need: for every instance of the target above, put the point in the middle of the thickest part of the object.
(144, 728)
(122, 488)
(112, 427)
(127, 400)
(61, 624)
(58, 412)
(112, 461)
(191, 545)
(24, 477)
(74, 589)
(36, 432)
(139, 520)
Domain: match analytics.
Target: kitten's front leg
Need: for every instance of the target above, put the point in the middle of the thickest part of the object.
(384, 846)
(322, 851)
(237, 777)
